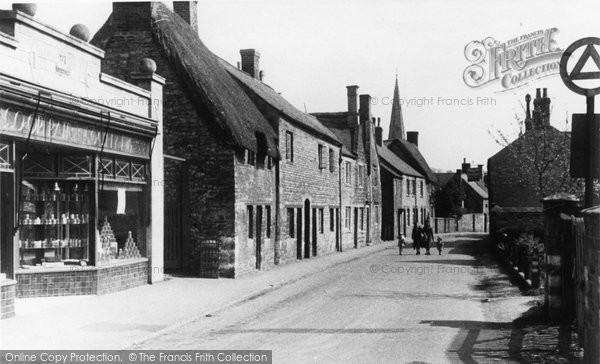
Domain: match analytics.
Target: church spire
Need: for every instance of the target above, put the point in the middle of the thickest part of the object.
(396, 122)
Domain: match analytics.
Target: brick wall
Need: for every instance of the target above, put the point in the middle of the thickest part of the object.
(86, 280)
(7, 298)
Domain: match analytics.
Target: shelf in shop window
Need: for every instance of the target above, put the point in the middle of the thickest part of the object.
(46, 224)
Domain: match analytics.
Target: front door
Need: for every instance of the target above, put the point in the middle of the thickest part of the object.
(307, 229)
(356, 227)
(258, 238)
(6, 224)
(299, 233)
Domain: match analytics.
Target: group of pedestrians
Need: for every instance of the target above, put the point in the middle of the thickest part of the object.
(422, 237)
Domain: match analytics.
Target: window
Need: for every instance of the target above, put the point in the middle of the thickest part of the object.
(321, 150)
(331, 160)
(421, 188)
(251, 158)
(268, 212)
(269, 162)
(348, 173)
(250, 222)
(407, 213)
(414, 187)
(408, 188)
(360, 175)
(289, 146)
(290, 216)
(331, 220)
(377, 214)
(347, 217)
(362, 218)
(416, 216)
(321, 221)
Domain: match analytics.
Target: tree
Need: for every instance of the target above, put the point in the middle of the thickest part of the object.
(449, 199)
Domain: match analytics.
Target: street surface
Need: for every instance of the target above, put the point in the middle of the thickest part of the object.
(381, 308)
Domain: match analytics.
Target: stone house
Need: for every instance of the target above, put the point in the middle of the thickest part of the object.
(307, 196)
(220, 150)
(360, 186)
(468, 183)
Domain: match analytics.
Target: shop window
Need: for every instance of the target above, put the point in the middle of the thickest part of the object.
(331, 160)
(122, 216)
(122, 169)
(40, 166)
(250, 222)
(54, 223)
(291, 222)
(106, 167)
(76, 166)
(289, 146)
(5, 156)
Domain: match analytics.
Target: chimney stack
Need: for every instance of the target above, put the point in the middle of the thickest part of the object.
(541, 109)
(250, 62)
(365, 108)
(188, 11)
(379, 133)
(465, 166)
(352, 98)
(413, 137)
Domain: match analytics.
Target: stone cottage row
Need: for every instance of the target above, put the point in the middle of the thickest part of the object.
(250, 180)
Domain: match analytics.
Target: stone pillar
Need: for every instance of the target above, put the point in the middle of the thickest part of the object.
(147, 79)
(554, 206)
(591, 314)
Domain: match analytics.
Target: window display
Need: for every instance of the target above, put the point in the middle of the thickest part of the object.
(54, 221)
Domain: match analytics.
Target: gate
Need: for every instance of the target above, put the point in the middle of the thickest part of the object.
(173, 235)
(209, 258)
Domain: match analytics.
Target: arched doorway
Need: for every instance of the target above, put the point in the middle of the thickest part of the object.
(306, 228)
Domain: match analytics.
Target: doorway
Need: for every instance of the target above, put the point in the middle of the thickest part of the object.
(299, 233)
(258, 239)
(6, 224)
(337, 230)
(307, 229)
(314, 232)
(356, 227)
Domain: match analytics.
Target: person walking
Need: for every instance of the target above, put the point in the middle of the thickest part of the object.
(401, 242)
(427, 234)
(416, 237)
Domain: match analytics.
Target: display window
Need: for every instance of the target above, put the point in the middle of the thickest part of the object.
(77, 209)
(54, 223)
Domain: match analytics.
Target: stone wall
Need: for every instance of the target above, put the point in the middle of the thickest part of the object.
(591, 307)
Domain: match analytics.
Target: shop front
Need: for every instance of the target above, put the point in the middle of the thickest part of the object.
(78, 151)
(80, 199)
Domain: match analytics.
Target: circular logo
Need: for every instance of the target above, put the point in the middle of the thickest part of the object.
(576, 73)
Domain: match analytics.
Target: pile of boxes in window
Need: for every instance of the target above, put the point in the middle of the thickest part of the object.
(109, 247)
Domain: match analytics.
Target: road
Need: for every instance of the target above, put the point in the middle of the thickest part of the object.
(382, 308)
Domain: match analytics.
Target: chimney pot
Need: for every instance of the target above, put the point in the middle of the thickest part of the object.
(250, 62)
(537, 93)
(545, 92)
(261, 75)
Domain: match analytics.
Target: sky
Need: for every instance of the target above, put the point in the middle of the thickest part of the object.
(312, 49)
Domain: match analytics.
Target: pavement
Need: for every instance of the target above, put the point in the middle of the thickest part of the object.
(120, 320)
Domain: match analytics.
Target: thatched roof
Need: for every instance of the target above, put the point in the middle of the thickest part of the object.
(276, 101)
(236, 120)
